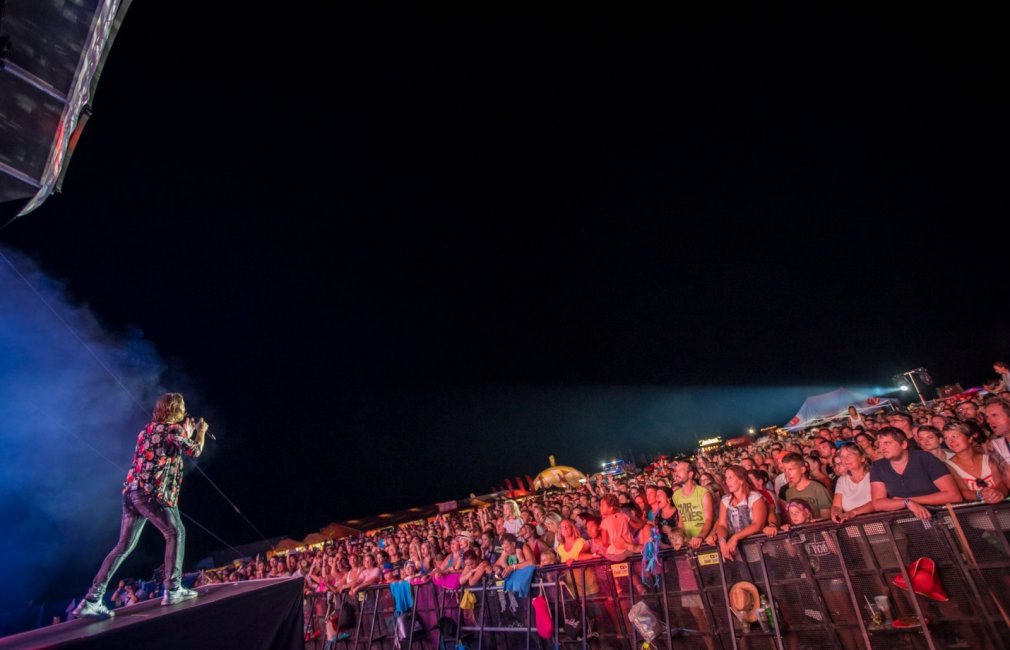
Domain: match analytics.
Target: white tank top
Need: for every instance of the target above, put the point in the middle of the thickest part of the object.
(972, 481)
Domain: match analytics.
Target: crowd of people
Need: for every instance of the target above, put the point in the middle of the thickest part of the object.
(946, 452)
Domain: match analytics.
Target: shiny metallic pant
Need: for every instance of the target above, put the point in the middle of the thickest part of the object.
(137, 510)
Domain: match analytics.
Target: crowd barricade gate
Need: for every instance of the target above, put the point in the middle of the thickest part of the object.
(587, 606)
(877, 550)
(375, 620)
(979, 537)
(489, 627)
(315, 628)
(819, 580)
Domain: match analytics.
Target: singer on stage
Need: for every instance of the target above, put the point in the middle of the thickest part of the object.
(151, 492)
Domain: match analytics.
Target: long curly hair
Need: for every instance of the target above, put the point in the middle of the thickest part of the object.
(170, 407)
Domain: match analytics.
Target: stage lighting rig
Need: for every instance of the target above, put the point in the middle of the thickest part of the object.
(909, 377)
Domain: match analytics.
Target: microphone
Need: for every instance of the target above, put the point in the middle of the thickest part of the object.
(207, 432)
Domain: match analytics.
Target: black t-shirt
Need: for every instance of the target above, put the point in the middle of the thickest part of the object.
(673, 521)
(918, 479)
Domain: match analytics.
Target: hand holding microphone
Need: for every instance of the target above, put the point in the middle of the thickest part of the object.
(203, 428)
(198, 427)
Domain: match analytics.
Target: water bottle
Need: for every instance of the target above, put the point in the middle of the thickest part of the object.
(762, 615)
(767, 615)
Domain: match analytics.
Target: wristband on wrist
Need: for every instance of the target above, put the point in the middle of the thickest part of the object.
(905, 502)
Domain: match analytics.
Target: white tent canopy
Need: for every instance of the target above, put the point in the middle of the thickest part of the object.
(818, 409)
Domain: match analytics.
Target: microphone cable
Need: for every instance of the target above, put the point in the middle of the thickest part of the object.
(126, 390)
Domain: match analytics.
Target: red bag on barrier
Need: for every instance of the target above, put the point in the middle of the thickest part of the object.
(542, 609)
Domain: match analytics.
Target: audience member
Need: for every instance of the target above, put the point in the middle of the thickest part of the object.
(798, 512)
(743, 512)
(695, 503)
(512, 557)
(852, 491)
(905, 478)
(617, 527)
(930, 439)
(997, 416)
(801, 487)
(973, 472)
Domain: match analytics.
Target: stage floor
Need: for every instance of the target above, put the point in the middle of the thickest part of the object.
(207, 618)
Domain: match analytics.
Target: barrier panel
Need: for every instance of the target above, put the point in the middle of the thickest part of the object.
(827, 586)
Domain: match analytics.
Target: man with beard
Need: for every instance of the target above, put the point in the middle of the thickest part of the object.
(908, 478)
(997, 416)
(695, 504)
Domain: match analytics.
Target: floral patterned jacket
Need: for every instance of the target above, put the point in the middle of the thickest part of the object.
(157, 464)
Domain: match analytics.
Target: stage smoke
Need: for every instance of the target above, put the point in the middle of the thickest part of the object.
(68, 433)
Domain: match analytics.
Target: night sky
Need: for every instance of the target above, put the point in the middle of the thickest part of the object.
(394, 260)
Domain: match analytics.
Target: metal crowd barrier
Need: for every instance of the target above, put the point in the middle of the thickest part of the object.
(819, 580)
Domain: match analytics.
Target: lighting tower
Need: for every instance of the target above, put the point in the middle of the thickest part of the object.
(923, 376)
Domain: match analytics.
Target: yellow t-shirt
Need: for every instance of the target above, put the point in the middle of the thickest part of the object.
(575, 579)
(572, 554)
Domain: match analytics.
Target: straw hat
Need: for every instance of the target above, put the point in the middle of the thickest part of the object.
(745, 598)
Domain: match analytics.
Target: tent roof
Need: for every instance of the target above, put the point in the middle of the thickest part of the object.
(287, 544)
(337, 531)
(834, 404)
(559, 476)
(314, 538)
(387, 519)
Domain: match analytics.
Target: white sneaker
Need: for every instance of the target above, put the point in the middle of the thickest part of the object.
(92, 608)
(178, 595)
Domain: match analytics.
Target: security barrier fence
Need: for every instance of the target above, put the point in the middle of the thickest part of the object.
(852, 585)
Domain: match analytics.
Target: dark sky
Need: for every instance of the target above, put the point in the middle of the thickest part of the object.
(395, 259)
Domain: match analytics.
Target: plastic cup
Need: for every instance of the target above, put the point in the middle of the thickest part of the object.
(876, 616)
(884, 605)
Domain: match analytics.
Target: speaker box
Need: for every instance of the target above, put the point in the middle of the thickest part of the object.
(949, 390)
